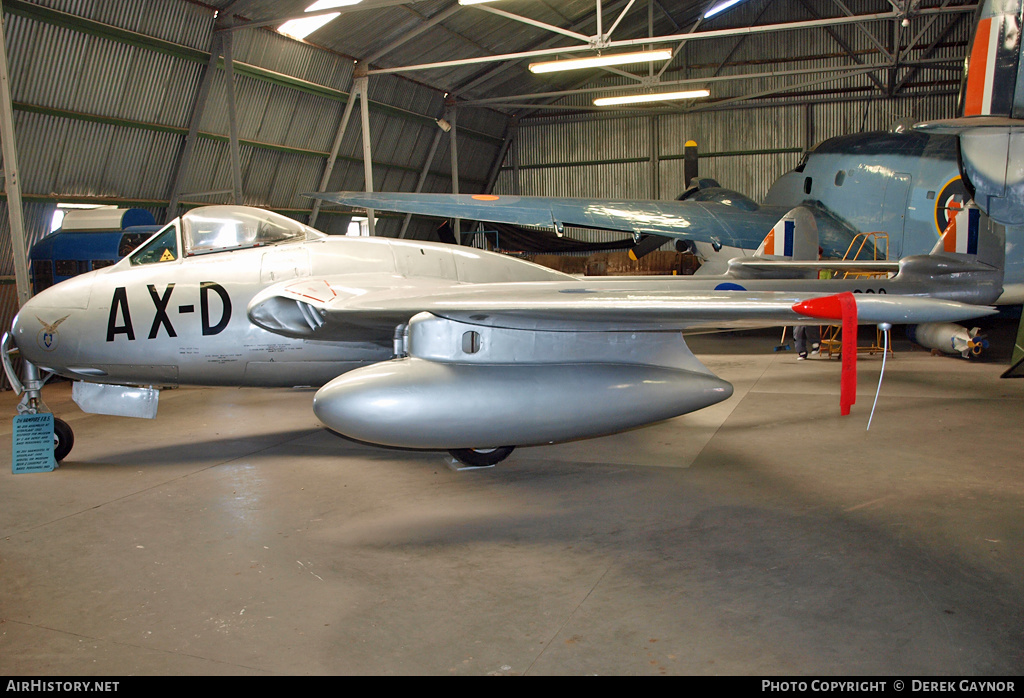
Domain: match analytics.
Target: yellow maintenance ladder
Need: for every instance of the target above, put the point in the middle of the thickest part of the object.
(831, 335)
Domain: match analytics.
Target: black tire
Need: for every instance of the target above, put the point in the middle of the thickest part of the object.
(481, 457)
(63, 439)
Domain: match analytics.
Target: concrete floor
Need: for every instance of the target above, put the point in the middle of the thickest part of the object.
(766, 535)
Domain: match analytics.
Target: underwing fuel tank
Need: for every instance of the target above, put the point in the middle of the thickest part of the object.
(468, 386)
(415, 403)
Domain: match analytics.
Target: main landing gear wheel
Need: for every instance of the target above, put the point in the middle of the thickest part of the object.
(63, 439)
(481, 457)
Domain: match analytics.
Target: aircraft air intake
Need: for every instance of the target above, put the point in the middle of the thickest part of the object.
(286, 316)
(310, 315)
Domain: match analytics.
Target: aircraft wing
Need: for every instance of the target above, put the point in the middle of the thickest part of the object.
(326, 310)
(696, 220)
(867, 265)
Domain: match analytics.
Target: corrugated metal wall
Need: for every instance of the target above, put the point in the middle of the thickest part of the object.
(101, 112)
(746, 147)
(104, 92)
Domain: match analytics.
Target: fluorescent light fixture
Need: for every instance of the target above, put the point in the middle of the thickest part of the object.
(328, 4)
(721, 7)
(649, 97)
(304, 26)
(473, 2)
(599, 61)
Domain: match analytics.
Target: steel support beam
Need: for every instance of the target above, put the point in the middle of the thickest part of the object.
(655, 147)
(453, 145)
(516, 184)
(229, 86)
(15, 212)
(843, 45)
(359, 85)
(233, 24)
(412, 34)
(541, 25)
(463, 88)
(492, 176)
(682, 44)
(332, 158)
(517, 99)
(739, 41)
(185, 158)
(423, 176)
(913, 69)
(698, 36)
(871, 37)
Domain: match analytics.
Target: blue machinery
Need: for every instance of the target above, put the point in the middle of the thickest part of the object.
(87, 240)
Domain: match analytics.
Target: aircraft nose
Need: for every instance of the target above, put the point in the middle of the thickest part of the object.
(41, 327)
(34, 337)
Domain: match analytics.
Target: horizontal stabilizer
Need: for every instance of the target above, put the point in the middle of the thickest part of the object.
(789, 250)
(990, 126)
(973, 239)
(794, 237)
(792, 267)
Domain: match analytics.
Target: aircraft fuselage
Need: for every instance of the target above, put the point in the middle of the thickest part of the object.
(900, 184)
(184, 321)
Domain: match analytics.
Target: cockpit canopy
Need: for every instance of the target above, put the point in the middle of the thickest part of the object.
(216, 228)
(211, 229)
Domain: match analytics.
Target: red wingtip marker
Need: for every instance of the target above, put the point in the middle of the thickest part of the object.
(842, 306)
(825, 307)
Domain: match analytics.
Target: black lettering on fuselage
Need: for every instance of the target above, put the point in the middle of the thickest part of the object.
(204, 307)
(119, 304)
(119, 301)
(161, 311)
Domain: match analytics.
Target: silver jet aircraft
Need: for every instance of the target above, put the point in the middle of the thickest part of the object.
(401, 332)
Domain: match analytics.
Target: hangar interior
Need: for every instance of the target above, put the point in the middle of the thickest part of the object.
(235, 535)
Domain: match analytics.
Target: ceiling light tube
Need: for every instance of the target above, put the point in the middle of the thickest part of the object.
(599, 61)
(649, 97)
(720, 7)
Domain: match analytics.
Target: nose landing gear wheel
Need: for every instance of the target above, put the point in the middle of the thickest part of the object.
(481, 457)
(63, 439)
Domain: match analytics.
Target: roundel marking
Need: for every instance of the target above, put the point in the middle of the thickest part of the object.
(729, 286)
(47, 339)
(952, 198)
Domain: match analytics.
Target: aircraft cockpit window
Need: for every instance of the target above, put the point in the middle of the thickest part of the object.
(162, 247)
(218, 228)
